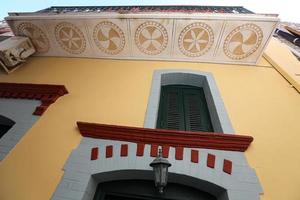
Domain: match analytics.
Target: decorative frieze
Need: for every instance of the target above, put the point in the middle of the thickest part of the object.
(179, 155)
(198, 37)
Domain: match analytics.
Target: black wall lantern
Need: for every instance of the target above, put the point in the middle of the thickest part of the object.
(160, 167)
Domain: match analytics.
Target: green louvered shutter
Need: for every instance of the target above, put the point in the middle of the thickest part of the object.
(171, 114)
(183, 108)
(196, 111)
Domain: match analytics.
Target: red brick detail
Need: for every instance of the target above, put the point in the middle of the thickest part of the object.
(227, 166)
(94, 153)
(47, 94)
(109, 151)
(178, 153)
(140, 149)
(194, 156)
(154, 150)
(165, 151)
(211, 160)
(124, 150)
(220, 141)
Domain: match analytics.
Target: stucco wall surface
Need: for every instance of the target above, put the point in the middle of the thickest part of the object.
(259, 101)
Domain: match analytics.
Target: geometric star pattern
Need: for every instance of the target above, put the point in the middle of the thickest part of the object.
(70, 38)
(109, 38)
(195, 39)
(151, 38)
(243, 41)
(185, 39)
(36, 35)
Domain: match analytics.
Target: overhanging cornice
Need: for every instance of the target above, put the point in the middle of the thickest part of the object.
(194, 37)
(47, 94)
(173, 138)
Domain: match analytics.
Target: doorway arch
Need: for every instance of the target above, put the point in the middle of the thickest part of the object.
(145, 190)
(122, 183)
(86, 168)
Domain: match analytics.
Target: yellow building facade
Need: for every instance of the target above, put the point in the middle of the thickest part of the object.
(261, 101)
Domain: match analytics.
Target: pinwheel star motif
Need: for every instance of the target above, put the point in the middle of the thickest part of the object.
(196, 40)
(109, 37)
(243, 41)
(152, 38)
(36, 38)
(70, 38)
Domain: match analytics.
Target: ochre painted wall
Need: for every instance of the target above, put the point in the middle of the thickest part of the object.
(260, 103)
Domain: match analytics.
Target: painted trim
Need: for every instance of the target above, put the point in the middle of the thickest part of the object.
(211, 159)
(154, 150)
(47, 94)
(179, 155)
(219, 117)
(140, 149)
(227, 166)
(165, 151)
(166, 137)
(94, 153)
(194, 156)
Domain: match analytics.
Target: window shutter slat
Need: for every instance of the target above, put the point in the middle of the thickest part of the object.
(196, 111)
(171, 110)
(183, 108)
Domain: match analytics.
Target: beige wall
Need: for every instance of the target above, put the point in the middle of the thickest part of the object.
(260, 103)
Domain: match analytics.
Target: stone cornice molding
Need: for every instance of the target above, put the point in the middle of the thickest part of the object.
(47, 94)
(188, 139)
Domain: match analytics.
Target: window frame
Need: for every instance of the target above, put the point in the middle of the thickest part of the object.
(219, 117)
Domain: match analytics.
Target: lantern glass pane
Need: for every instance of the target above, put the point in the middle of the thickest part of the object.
(157, 175)
(163, 175)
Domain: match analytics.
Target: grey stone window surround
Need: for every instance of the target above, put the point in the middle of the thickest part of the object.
(20, 111)
(219, 117)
